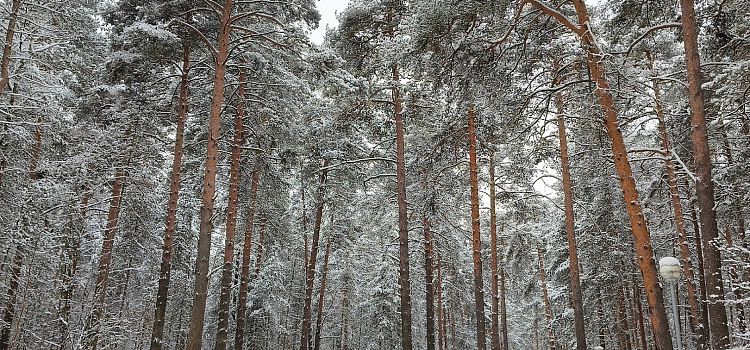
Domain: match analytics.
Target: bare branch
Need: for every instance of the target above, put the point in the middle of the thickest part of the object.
(262, 36)
(240, 16)
(649, 31)
(197, 32)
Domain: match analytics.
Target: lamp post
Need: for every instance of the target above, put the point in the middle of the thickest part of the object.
(669, 268)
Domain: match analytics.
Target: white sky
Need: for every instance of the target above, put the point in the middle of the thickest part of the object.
(328, 10)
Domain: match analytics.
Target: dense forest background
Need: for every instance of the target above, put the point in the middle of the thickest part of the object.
(196, 174)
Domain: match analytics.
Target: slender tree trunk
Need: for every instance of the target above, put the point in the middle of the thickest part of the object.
(701, 271)
(200, 289)
(576, 295)
(319, 322)
(494, 330)
(440, 313)
(261, 234)
(503, 308)
(234, 179)
(545, 295)
(310, 273)
(699, 328)
(105, 259)
(403, 226)
(475, 242)
(69, 261)
(623, 338)
(10, 307)
(704, 187)
(239, 334)
(429, 297)
(641, 235)
(639, 315)
(735, 279)
(165, 272)
(9, 34)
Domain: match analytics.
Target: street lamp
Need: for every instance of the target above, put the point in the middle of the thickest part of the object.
(669, 268)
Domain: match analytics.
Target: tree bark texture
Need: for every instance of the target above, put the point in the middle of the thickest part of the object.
(239, 334)
(165, 271)
(310, 273)
(440, 313)
(641, 235)
(623, 338)
(403, 225)
(429, 296)
(9, 34)
(545, 296)
(105, 259)
(234, 179)
(695, 320)
(576, 295)
(261, 234)
(494, 329)
(476, 243)
(704, 186)
(200, 289)
(10, 307)
(321, 295)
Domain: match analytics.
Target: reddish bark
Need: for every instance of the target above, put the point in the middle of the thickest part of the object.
(475, 241)
(639, 315)
(234, 179)
(623, 339)
(310, 273)
(545, 295)
(9, 34)
(239, 335)
(697, 325)
(576, 295)
(200, 289)
(319, 322)
(429, 297)
(105, 259)
(704, 186)
(403, 226)
(165, 271)
(641, 235)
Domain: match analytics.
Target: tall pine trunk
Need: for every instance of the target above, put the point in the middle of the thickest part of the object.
(695, 320)
(310, 272)
(105, 259)
(403, 225)
(429, 288)
(476, 244)
(239, 334)
(165, 272)
(234, 179)
(321, 295)
(200, 288)
(10, 307)
(641, 235)
(704, 186)
(545, 296)
(494, 330)
(576, 296)
(9, 34)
